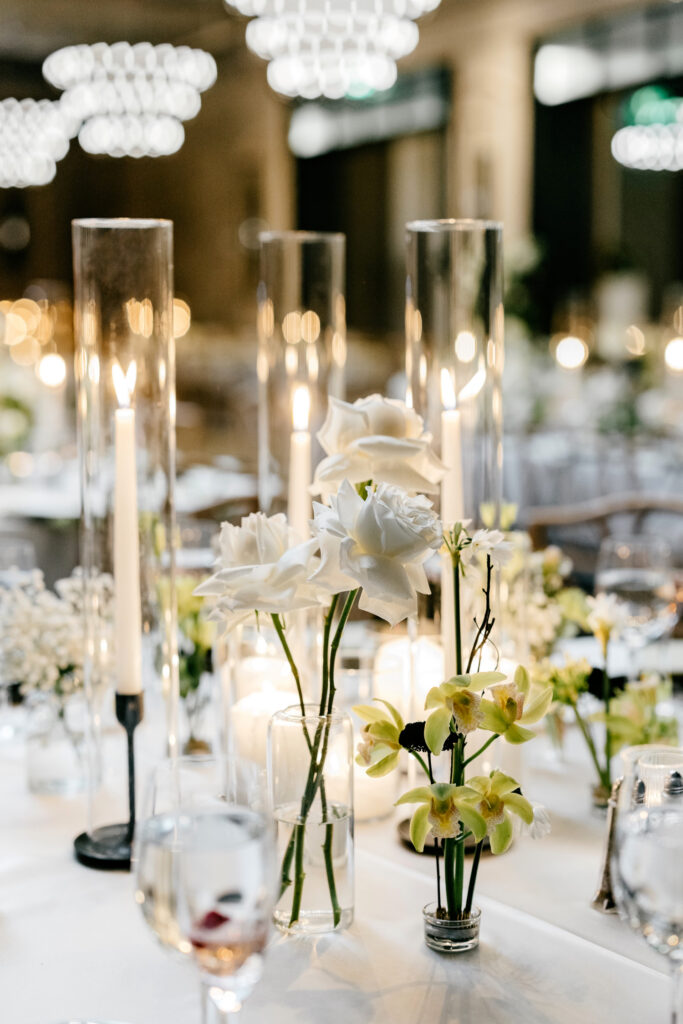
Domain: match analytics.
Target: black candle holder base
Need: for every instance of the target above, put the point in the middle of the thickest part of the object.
(109, 848)
(106, 849)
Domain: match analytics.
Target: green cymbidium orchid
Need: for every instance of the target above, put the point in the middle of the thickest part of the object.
(454, 700)
(445, 810)
(379, 747)
(506, 713)
(496, 798)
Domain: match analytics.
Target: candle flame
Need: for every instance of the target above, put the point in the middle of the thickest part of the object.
(124, 384)
(301, 407)
(447, 389)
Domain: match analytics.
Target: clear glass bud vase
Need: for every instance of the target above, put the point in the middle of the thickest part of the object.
(310, 769)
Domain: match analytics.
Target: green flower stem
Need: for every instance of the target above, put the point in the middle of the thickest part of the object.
(449, 877)
(279, 629)
(315, 779)
(420, 760)
(607, 696)
(473, 877)
(591, 746)
(329, 870)
(481, 750)
(456, 604)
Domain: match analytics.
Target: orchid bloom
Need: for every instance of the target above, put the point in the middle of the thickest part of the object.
(454, 700)
(514, 705)
(445, 810)
(496, 798)
(605, 618)
(379, 748)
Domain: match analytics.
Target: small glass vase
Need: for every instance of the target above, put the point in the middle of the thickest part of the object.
(197, 726)
(446, 936)
(313, 812)
(55, 738)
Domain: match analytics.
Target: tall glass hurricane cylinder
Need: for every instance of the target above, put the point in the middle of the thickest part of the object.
(301, 358)
(125, 364)
(454, 362)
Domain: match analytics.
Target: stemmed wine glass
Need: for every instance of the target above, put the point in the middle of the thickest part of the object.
(205, 871)
(647, 857)
(637, 570)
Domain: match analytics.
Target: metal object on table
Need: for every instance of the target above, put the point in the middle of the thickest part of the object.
(109, 848)
(603, 901)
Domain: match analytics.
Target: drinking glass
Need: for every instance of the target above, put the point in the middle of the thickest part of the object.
(647, 857)
(638, 571)
(205, 870)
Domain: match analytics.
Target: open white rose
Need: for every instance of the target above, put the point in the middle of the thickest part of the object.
(378, 543)
(261, 568)
(377, 439)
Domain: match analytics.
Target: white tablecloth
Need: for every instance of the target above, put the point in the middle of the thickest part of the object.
(73, 943)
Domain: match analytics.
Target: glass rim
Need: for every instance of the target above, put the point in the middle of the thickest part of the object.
(663, 758)
(635, 540)
(137, 223)
(301, 236)
(630, 756)
(312, 714)
(430, 909)
(453, 224)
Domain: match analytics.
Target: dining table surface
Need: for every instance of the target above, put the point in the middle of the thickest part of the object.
(74, 945)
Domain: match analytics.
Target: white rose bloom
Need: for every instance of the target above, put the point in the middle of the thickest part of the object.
(262, 568)
(378, 543)
(378, 439)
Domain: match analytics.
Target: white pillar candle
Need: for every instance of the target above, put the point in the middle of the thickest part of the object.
(299, 499)
(127, 613)
(451, 512)
(373, 798)
(249, 719)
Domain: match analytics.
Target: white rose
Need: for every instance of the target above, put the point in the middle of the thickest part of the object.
(377, 439)
(378, 543)
(262, 569)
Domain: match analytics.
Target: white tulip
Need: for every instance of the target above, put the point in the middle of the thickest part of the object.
(378, 439)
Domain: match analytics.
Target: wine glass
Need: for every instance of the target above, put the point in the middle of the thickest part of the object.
(647, 857)
(205, 872)
(638, 571)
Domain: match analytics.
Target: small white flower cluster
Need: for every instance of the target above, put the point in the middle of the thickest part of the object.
(42, 634)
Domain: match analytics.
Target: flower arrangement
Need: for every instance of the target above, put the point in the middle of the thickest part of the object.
(369, 544)
(42, 633)
(630, 717)
(454, 805)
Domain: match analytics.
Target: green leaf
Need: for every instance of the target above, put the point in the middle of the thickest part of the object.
(501, 837)
(419, 827)
(437, 728)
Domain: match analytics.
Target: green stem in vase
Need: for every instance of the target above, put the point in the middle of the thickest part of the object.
(590, 744)
(456, 604)
(473, 877)
(607, 697)
(329, 870)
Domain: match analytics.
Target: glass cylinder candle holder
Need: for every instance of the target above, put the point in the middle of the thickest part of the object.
(300, 363)
(125, 366)
(454, 363)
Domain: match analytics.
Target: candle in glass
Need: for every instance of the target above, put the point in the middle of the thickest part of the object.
(127, 616)
(299, 504)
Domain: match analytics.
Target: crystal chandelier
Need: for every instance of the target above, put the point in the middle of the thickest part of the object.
(332, 48)
(130, 100)
(34, 135)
